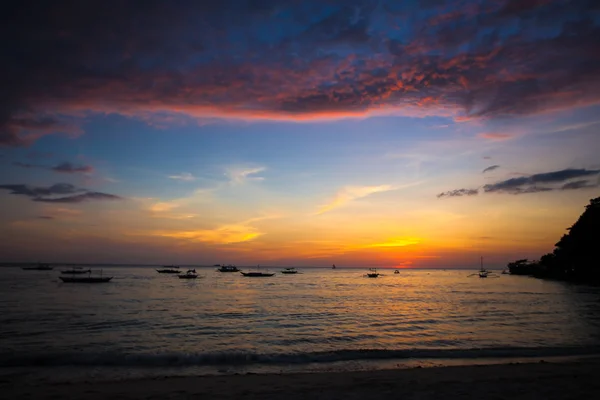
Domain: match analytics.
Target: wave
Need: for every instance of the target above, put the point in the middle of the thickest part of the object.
(113, 359)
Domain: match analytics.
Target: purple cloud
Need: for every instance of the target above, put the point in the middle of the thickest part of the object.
(329, 60)
(58, 193)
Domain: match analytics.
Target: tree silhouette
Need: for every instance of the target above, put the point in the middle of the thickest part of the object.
(576, 254)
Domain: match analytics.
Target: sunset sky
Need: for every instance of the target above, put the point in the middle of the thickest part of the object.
(297, 133)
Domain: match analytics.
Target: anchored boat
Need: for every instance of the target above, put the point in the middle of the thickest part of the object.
(86, 279)
(38, 267)
(169, 269)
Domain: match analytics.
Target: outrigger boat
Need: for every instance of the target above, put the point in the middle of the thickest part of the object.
(38, 267)
(75, 271)
(289, 271)
(373, 273)
(86, 279)
(228, 268)
(190, 274)
(257, 274)
(169, 269)
(484, 273)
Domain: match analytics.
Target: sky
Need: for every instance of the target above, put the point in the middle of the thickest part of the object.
(359, 133)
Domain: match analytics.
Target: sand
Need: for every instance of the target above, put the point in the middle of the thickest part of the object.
(542, 380)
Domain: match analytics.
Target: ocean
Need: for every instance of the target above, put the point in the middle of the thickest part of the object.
(144, 324)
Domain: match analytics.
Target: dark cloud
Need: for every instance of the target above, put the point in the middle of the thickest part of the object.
(582, 184)
(490, 168)
(263, 59)
(58, 193)
(544, 182)
(529, 184)
(64, 167)
(458, 193)
(78, 198)
(25, 165)
(35, 155)
(67, 167)
(44, 217)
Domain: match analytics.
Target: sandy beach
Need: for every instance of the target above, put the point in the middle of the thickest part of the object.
(541, 380)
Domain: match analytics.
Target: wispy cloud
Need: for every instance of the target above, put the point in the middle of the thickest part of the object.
(239, 175)
(58, 193)
(350, 193)
(68, 168)
(225, 234)
(495, 136)
(184, 176)
(64, 167)
(458, 193)
(490, 168)
(396, 242)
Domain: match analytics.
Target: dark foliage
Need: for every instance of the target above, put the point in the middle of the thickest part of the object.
(576, 254)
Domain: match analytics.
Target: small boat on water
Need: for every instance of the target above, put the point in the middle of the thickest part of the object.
(86, 279)
(333, 266)
(169, 269)
(505, 272)
(373, 273)
(190, 274)
(289, 271)
(38, 267)
(257, 273)
(228, 268)
(75, 271)
(484, 273)
(396, 272)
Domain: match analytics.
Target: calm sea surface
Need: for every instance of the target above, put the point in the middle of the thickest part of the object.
(144, 323)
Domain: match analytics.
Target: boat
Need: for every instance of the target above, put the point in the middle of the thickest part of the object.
(396, 272)
(333, 266)
(289, 271)
(257, 274)
(373, 273)
(75, 271)
(169, 269)
(228, 268)
(190, 274)
(38, 267)
(505, 272)
(86, 279)
(484, 273)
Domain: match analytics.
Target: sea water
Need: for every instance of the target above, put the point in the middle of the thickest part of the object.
(145, 324)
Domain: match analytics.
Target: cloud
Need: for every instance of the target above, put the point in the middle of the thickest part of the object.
(582, 184)
(79, 198)
(396, 242)
(184, 176)
(241, 175)
(224, 234)
(64, 167)
(490, 168)
(495, 136)
(320, 60)
(529, 184)
(68, 168)
(543, 182)
(350, 193)
(58, 193)
(44, 217)
(458, 193)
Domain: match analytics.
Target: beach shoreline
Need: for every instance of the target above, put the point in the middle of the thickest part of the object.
(543, 380)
